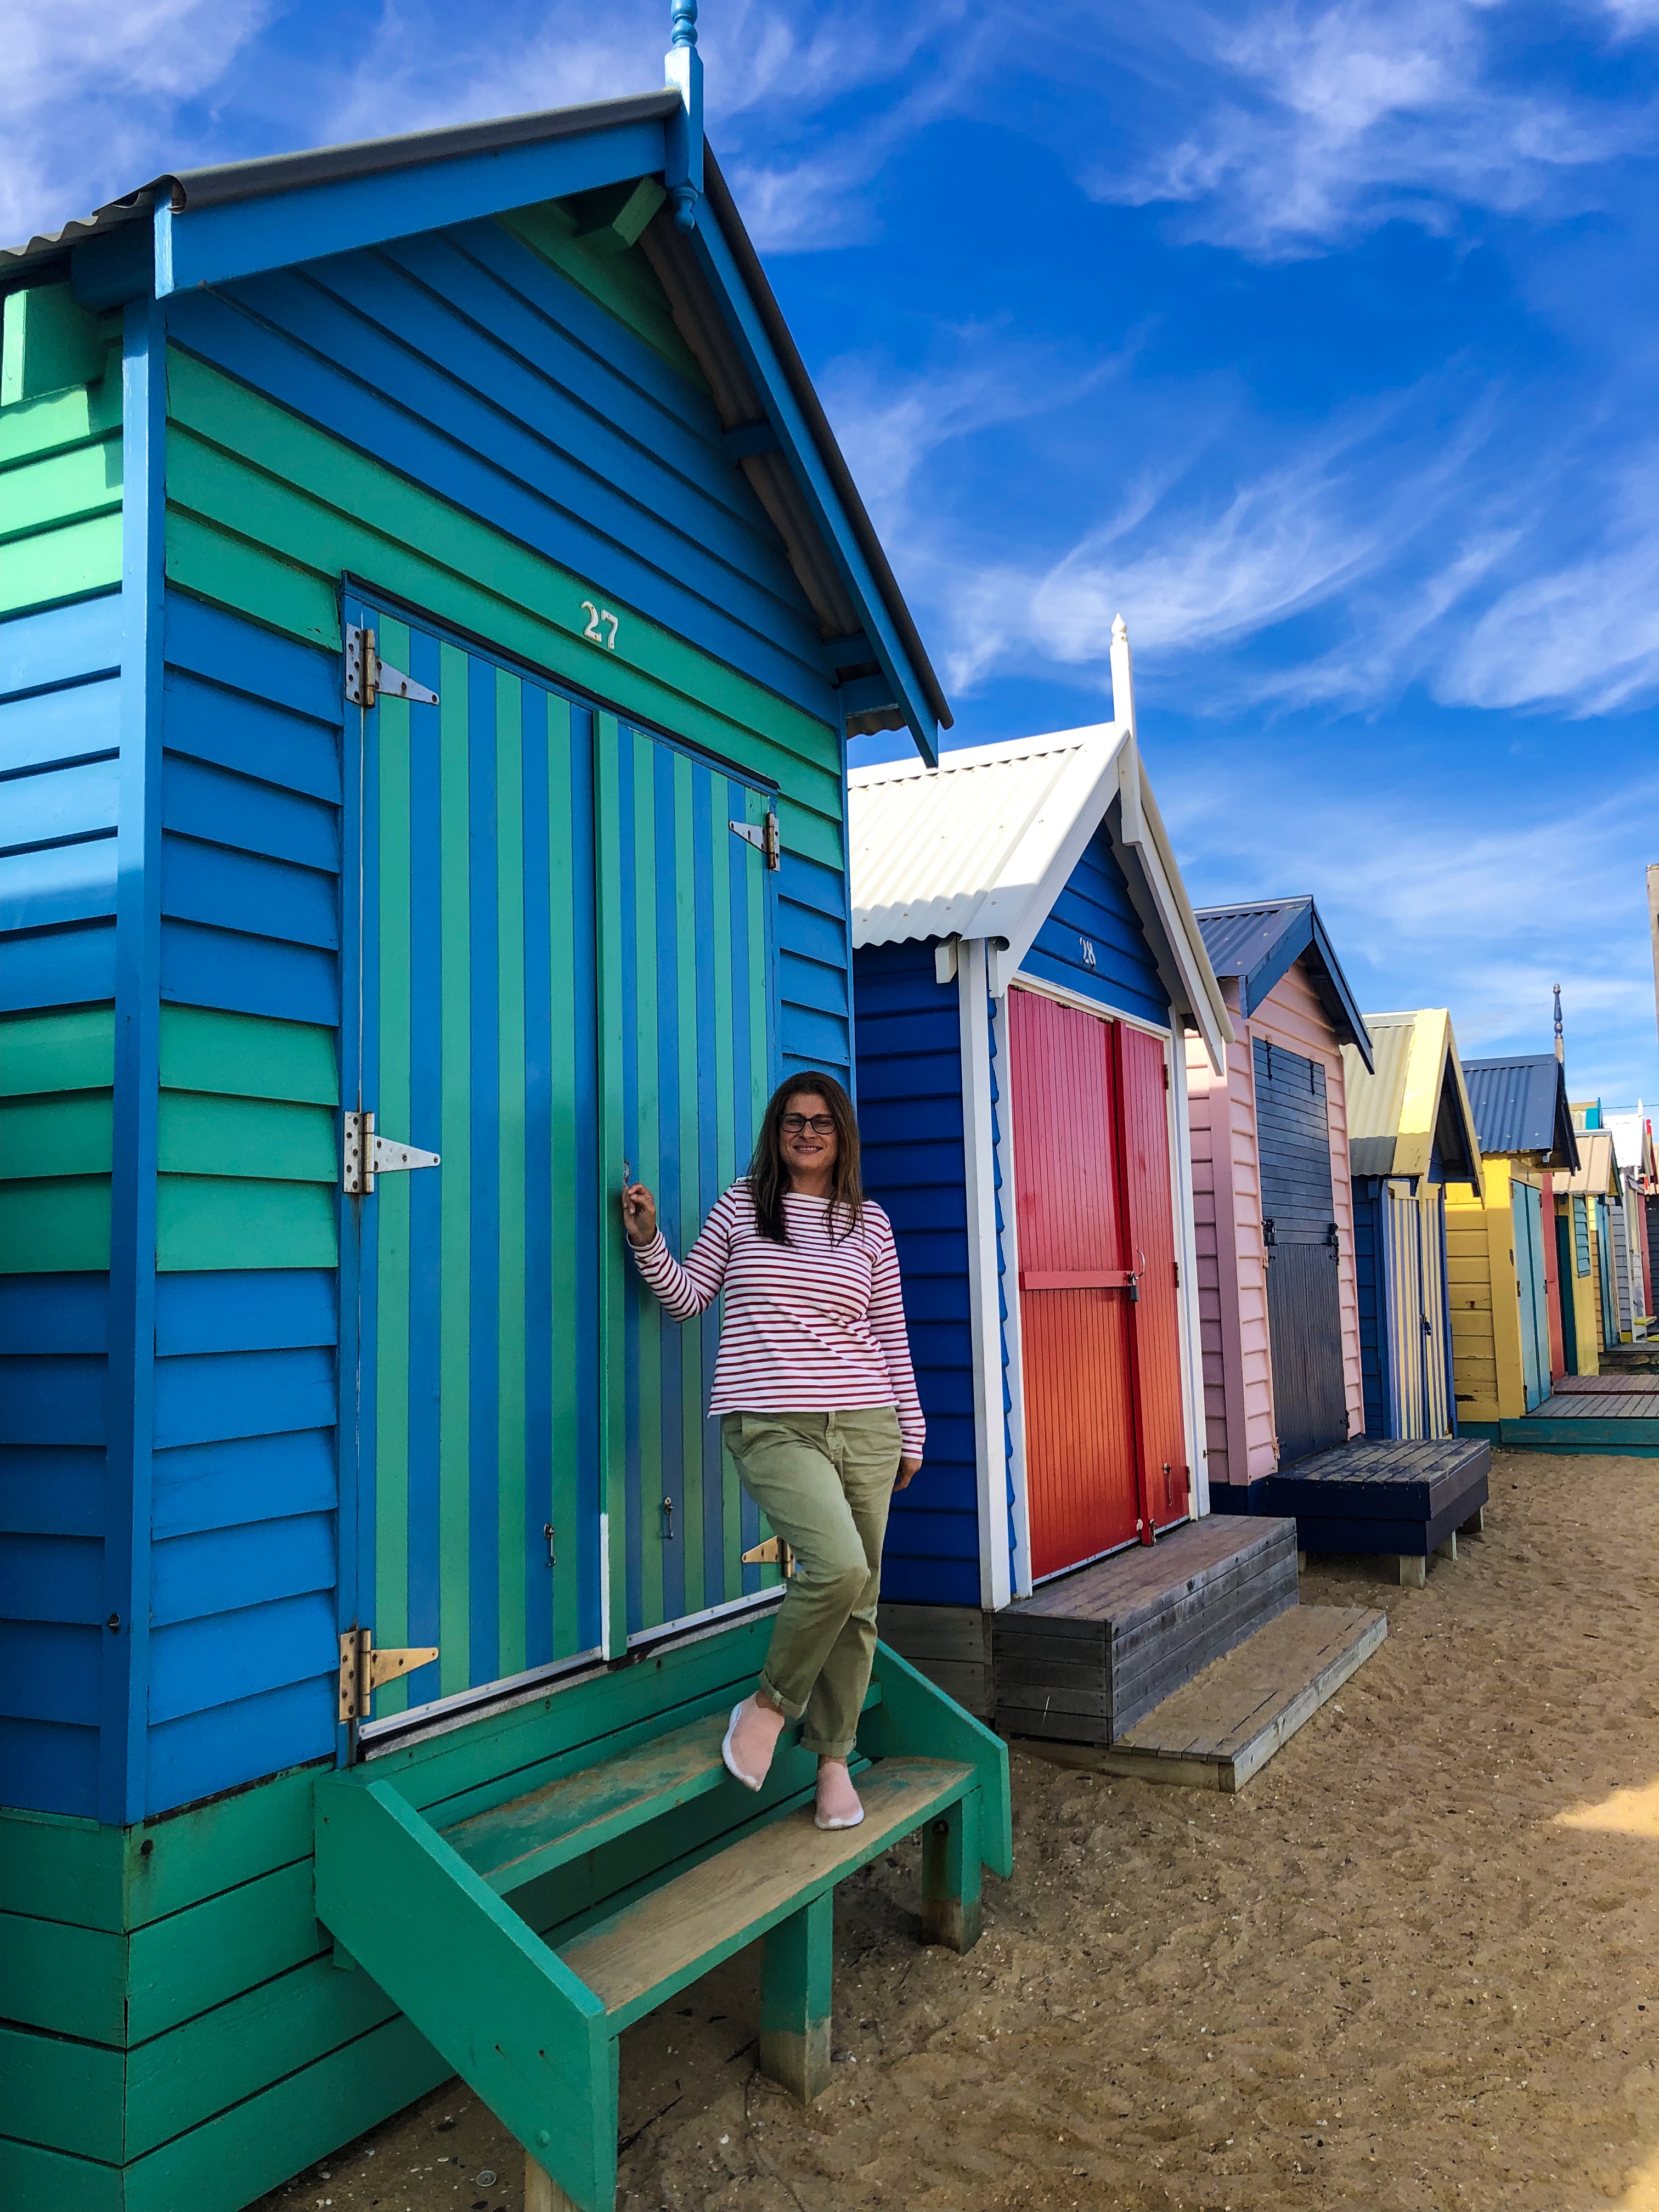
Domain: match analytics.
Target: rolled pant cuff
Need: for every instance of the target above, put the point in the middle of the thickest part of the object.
(791, 1708)
(827, 1750)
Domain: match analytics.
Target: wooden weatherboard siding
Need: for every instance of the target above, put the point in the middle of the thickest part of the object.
(1232, 1276)
(910, 1116)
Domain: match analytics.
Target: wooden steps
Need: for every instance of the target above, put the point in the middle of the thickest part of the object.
(515, 1844)
(1092, 1653)
(647, 1952)
(633, 1862)
(1222, 1727)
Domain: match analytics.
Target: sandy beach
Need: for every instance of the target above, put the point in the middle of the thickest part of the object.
(1414, 1964)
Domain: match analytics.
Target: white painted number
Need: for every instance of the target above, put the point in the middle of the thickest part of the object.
(606, 635)
(1088, 952)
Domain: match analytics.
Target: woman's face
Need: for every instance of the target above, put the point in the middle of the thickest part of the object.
(808, 1151)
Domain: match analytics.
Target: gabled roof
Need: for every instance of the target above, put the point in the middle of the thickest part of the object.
(1520, 1104)
(199, 227)
(1259, 943)
(1633, 1137)
(1597, 1173)
(982, 846)
(1413, 1102)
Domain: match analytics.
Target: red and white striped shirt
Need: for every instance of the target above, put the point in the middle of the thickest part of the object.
(812, 1325)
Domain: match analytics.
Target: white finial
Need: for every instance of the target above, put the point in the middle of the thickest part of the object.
(1123, 681)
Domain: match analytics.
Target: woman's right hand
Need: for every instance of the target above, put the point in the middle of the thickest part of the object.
(639, 1213)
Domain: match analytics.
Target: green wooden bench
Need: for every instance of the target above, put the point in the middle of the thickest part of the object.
(527, 1885)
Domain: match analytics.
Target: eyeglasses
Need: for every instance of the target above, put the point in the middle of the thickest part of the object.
(821, 1124)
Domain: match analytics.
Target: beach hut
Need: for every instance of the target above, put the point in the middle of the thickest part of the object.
(436, 609)
(1026, 968)
(1632, 1141)
(1277, 1288)
(1502, 1253)
(1411, 1132)
(1596, 1198)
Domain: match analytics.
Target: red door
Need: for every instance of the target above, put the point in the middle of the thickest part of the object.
(1143, 1087)
(1099, 1333)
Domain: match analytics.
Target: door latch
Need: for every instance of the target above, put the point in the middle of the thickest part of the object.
(362, 1669)
(762, 835)
(773, 1552)
(367, 675)
(367, 1155)
(668, 1520)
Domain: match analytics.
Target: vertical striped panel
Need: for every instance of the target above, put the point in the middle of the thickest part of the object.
(1154, 1317)
(1081, 1436)
(477, 1416)
(695, 1054)
(1437, 1374)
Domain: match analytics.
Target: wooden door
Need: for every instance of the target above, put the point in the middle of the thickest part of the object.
(692, 906)
(1436, 1360)
(1105, 1434)
(1080, 1443)
(472, 1287)
(1305, 1314)
(1155, 1312)
(1532, 1287)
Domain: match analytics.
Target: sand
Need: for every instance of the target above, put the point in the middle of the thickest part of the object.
(1415, 1963)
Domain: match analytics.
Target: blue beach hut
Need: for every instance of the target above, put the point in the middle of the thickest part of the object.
(434, 609)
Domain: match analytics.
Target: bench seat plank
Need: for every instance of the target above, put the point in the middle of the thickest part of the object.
(643, 1955)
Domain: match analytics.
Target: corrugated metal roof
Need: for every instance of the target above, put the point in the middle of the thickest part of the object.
(1260, 941)
(1597, 1174)
(1375, 1099)
(788, 501)
(224, 181)
(982, 846)
(1521, 1106)
(960, 850)
(1414, 1102)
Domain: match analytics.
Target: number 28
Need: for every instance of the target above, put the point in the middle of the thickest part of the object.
(596, 616)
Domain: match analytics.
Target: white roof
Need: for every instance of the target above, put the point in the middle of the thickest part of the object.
(983, 845)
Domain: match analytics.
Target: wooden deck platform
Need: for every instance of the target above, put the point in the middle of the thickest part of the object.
(1224, 1726)
(1614, 1413)
(1380, 1497)
(1089, 1655)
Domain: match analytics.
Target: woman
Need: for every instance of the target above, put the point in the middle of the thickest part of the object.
(818, 1408)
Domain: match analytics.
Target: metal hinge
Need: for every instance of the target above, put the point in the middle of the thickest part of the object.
(366, 1155)
(762, 835)
(773, 1553)
(362, 1669)
(367, 675)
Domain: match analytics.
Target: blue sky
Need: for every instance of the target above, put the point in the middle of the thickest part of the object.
(1319, 340)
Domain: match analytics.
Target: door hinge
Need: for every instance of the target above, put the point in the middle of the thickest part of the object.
(362, 1669)
(366, 1155)
(773, 1553)
(367, 675)
(762, 835)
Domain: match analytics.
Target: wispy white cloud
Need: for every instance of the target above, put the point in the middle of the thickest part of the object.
(88, 92)
(1313, 120)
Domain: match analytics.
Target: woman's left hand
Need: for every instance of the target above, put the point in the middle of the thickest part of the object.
(907, 1468)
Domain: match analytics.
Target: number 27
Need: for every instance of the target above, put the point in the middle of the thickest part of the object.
(606, 637)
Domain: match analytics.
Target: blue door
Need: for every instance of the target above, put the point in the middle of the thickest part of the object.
(562, 960)
(1604, 1272)
(1526, 1210)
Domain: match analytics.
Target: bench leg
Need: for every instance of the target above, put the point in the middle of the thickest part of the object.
(796, 1973)
(541, 2192)
(950, 1876)
(1414, 1570)
(1449, 1549)
(1476, 1523)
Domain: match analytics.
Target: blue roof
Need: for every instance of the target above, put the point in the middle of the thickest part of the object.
(1520, 1105)
(1259, 943)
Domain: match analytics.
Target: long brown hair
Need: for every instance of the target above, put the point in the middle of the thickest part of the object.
(768, 1180)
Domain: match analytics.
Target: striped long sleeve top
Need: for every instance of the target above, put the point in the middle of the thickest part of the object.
(816, 1325)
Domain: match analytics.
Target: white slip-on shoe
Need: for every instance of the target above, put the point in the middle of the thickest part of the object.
(729, 1762)
(818, 1821)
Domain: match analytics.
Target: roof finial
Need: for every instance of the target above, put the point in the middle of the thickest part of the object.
(682, 70)
(1560, 1041)
(1123, 681)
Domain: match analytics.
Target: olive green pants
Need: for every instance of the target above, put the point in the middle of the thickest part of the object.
(823, 1480)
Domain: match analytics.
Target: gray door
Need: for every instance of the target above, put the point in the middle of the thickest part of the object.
(1305, 1314)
